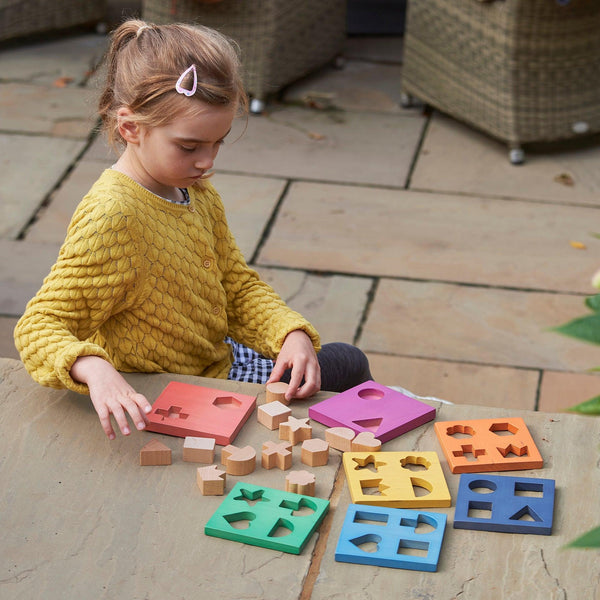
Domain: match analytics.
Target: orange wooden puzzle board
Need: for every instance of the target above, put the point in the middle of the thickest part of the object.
(502, 444)
(183, 409)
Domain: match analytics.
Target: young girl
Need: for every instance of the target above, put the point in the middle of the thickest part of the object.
(149, 278)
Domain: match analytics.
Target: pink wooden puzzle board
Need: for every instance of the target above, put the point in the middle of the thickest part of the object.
(184, 410)
(373, 407)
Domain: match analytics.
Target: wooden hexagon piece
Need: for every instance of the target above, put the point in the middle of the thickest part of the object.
(315, 452)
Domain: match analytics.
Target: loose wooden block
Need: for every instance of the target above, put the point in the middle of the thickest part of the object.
(340, 438)
(276, 392)
(238, 461)
(183, 409)
(502, 444)
(395, 533)
(396, 479)
(277, 455)
(199, 450)
(300, 482)
(267, 512)
(365, 441)
(155, 453)
(505, 504)
(295, 430)
(274, 413)
(315, 452)
(211, 480)
(372, 407)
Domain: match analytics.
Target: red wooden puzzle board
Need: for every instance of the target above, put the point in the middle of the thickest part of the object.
(185, 410)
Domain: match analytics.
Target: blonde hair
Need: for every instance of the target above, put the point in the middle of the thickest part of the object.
(145, 61)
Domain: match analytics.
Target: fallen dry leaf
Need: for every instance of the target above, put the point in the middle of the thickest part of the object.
(315, 136)
(565, 179)
(578, 245)
(62, 82)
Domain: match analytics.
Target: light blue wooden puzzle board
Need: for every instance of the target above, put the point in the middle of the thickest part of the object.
(395, 531)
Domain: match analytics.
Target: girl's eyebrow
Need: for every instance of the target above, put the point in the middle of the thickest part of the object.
(197, 141)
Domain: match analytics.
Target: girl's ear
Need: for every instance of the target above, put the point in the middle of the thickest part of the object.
(128, 128)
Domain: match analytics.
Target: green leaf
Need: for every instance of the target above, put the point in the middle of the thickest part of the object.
(589, 407)
(590, 539)
(593, 302)
(583, 328)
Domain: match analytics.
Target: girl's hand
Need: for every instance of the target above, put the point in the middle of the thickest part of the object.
(111, 394)
(298, 354)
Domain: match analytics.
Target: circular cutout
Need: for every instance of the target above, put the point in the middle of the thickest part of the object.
(370, 394)
(481, 486)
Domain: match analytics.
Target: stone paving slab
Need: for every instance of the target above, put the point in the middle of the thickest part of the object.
(559, 391)
(456, 158)
(481, 565)
(249, 203)
(434, 236)
(334, 304)
(360, 85)
(125, 531)
(22, 271)
(342, 146)
(53, 219)
(460, 383)
(44, 62)
(37, 109)
(30, 166)
(7, 344)
(475, 325)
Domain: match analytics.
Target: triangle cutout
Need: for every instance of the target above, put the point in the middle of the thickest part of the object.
(369, 424)
(526, 514)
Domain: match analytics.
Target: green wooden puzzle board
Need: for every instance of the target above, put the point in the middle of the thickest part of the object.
(272, 518)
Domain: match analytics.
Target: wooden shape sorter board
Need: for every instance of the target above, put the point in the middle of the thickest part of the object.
(503, 444)
(505, 504)
(185, 410)
(396, 479)
(403, 539)
(266, 517)
(372, 407)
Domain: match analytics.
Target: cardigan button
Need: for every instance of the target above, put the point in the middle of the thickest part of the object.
(207, 263)
(191, 208)
(216, 310)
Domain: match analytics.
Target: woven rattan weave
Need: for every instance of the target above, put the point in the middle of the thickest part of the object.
(20, 18)
(280, 40)
(520, 70)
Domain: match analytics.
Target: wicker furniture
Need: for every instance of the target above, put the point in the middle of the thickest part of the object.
(280, 40)
(20, 18)
(520, 70)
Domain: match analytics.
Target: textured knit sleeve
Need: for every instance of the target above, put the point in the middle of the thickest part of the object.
(94, 277)
(257, 316)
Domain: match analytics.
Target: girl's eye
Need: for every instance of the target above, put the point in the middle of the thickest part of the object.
(187, 148)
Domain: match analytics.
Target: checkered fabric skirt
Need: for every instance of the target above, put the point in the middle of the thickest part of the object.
(248, 366)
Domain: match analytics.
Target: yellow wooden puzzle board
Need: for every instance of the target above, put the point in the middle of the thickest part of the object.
(396, 479)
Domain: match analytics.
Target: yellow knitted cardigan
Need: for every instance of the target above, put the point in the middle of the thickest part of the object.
(150, 286)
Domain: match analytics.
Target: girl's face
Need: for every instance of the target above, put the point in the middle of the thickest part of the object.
(178, 154)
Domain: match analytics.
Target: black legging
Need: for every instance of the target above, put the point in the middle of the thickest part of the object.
(343, 366)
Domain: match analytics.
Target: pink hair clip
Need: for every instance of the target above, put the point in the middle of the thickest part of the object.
(179, 85)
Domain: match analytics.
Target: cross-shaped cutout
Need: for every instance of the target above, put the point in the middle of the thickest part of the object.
(174, 412)
(469, 452)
